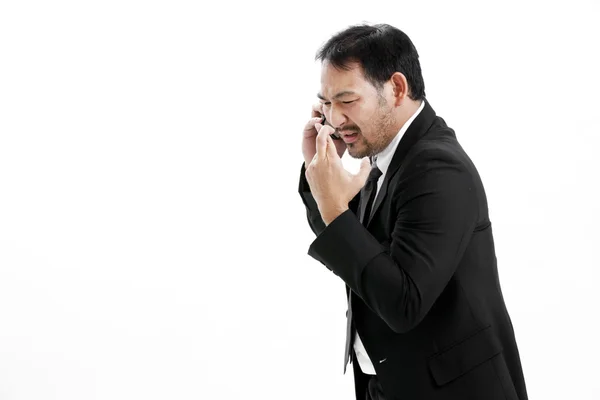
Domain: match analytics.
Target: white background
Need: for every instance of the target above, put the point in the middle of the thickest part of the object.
(152, 241)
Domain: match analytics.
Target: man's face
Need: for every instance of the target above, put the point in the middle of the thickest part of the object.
(357, 110)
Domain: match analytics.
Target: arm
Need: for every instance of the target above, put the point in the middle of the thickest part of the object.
(436, 213)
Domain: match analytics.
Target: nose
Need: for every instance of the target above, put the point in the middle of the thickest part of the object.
(336, 118)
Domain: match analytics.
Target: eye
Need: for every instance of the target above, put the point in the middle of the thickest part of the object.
(348, 102)
(327, 103)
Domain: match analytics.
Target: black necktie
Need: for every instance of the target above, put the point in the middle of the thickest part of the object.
(368, 193)
(367, 198)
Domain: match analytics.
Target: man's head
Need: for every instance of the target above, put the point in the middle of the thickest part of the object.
(371, 84)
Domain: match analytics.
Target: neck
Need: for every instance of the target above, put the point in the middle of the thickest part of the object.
(408, 108)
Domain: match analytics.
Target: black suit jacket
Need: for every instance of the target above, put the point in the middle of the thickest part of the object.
(426, 297)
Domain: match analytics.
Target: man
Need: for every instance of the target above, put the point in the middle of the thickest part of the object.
(409, 234)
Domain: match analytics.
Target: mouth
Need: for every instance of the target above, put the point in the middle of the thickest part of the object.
(349, 137)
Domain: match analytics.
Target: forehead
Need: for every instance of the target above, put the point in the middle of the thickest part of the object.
(335, 80)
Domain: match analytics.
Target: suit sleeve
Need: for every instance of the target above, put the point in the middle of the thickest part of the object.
(435, 212)
(312, 210)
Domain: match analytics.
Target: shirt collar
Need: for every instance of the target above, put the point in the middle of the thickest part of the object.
(384, 158)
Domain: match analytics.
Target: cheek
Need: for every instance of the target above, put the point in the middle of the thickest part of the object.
(368, 119)
(366, 127)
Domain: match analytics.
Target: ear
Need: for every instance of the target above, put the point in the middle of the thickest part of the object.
(399, 87)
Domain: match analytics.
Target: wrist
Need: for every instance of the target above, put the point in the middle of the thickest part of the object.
(331, 214)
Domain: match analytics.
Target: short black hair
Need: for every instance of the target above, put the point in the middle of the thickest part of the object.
(381, 50)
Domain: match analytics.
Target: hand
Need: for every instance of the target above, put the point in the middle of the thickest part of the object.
(331, 185)
(310, 135)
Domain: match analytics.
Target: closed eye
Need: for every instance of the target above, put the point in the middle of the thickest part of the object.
(327, 103)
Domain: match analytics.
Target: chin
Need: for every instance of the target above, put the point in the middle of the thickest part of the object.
(354, 153)
(359, 149)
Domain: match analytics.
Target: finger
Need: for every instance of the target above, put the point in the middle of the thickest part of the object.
(331, 149)
(310, 125)
(322, 139)
(317, 110)
(328, 128)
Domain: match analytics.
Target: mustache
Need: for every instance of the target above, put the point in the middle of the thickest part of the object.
(349, 128)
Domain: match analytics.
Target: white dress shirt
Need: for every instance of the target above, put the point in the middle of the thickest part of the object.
(383, 161)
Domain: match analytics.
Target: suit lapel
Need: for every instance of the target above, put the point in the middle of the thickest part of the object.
(415, 131)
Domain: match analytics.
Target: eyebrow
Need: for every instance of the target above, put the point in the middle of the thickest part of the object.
(337, 96)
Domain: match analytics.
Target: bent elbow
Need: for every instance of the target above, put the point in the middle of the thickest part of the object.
(403, 325)
(407, 315)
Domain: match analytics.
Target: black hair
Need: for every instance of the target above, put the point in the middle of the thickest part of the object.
(381, 50)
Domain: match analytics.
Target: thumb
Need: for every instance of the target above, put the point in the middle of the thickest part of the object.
(364, 171)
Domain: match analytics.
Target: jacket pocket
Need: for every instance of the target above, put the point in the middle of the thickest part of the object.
(464, 356)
